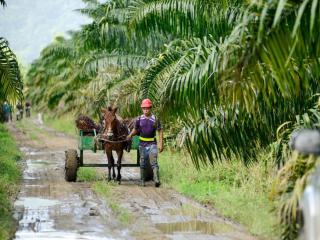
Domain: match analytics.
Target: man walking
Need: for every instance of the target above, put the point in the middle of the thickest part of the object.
(146, 126)
(6, 111)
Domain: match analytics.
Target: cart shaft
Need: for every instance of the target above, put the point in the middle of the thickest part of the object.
(106, 165)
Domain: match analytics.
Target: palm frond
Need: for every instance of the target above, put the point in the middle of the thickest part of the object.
(115, 58)
(288, 187)
(10, 78)
(3, 3)
(183, 17)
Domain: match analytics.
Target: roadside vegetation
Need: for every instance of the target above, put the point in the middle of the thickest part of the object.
(30, 129)
(230, 80)
(10, 173)
(63, 123)
(88, 174)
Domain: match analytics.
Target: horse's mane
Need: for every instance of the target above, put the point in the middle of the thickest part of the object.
(119, 118)
(122, 128)
(129, 122)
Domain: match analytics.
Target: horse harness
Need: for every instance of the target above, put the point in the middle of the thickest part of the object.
(104, 137)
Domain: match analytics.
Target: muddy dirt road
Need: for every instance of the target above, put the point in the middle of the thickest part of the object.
(48, 207)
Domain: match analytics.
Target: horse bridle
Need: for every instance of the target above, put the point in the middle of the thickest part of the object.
(105, 137)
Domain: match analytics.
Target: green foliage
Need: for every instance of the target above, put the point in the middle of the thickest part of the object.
(10, 79)
(223, 77)
(288, 187)
(65, 123)
(89, 175)
(233, 93)
(9, 177)
(292, 177)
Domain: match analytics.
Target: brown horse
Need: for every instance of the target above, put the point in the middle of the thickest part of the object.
(115, 134)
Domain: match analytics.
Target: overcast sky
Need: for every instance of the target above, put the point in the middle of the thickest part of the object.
(30, 25)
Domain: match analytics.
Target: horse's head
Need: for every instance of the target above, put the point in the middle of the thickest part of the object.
(110, 124)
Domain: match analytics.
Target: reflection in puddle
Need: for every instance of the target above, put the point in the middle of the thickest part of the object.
(26, 149)
(34, 152)
(187, 210)
(34, 203)
(35, 162)
(209, 228)
(34, 214)
(57, 235)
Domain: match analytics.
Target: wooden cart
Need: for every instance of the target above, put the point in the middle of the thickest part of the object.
(87, 141)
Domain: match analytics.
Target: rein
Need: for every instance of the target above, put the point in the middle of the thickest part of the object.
(110, 141)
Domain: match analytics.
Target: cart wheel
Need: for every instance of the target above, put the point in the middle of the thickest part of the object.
(71, 165)
(149, 172)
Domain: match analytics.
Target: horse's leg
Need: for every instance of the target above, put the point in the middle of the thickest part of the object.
(120, 154)
(113, 171)
(109, 157)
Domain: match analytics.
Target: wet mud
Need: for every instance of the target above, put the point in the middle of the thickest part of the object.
(48, 207)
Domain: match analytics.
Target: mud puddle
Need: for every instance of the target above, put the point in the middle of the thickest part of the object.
(48, 207)
(210, 228)
(192, 220)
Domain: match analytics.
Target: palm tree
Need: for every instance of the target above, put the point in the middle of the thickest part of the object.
(10, 79)
(103, 43)
(3, 3)
(263, 74)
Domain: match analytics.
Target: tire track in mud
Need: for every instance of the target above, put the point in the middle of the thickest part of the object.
(48, 207)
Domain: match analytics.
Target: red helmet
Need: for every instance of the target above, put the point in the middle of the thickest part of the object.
(146, 103)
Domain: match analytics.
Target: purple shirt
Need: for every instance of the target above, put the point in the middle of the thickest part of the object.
(147, 128)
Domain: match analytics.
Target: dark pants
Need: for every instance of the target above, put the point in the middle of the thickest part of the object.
(7, 116)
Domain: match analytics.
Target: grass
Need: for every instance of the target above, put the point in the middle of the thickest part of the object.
(88, 174)
(63, 124)
(31, 130)
(9, 177)
(104, 190)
